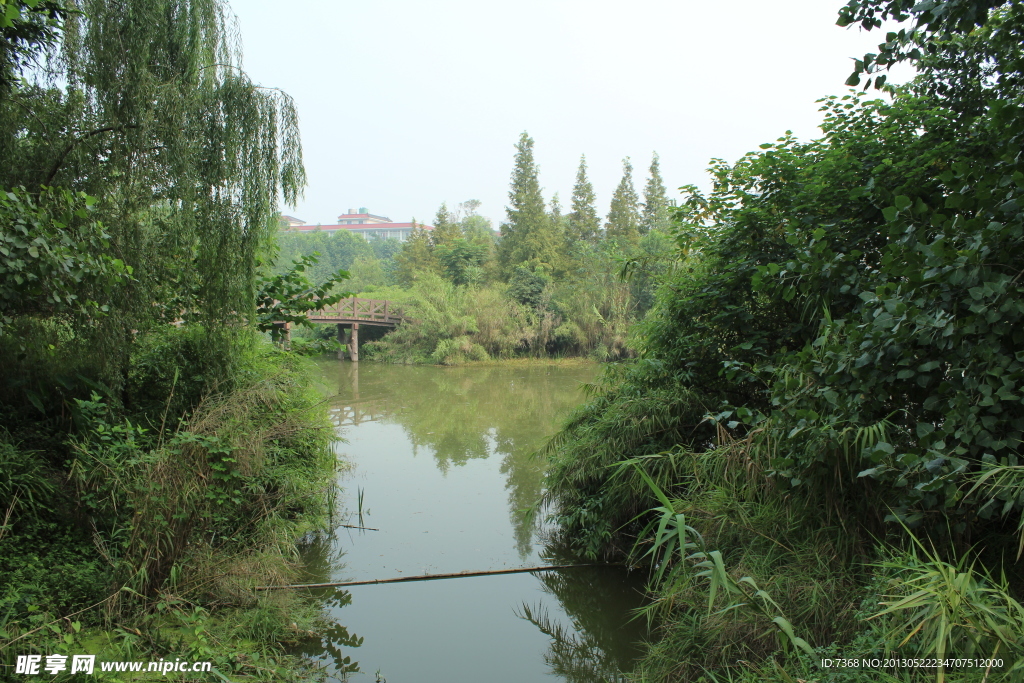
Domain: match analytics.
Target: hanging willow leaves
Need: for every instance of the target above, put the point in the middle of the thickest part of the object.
(144, 105)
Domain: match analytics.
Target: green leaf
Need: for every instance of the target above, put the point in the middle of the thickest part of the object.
(787, 628)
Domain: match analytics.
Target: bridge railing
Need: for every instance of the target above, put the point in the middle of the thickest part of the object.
(360, 310)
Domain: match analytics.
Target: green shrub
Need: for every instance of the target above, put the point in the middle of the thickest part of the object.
(26, 483)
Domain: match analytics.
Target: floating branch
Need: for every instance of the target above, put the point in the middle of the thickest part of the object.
(353, 526)
(432, 577)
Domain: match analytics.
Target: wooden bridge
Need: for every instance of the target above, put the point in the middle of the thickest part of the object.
(352, 312)
(355, 311)
(357, 412)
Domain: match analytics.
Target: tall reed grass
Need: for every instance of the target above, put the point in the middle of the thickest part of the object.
(159, 517)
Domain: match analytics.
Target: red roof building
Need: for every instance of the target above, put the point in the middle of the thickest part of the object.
(370, 226)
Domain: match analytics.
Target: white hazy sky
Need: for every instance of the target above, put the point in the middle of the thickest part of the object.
(404, 104)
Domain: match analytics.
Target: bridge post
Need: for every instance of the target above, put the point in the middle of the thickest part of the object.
(287, 336)
(341, 341)
(353, 349)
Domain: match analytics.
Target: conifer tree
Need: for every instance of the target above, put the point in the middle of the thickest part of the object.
(555, 215)
(583, 223)
(527, 237)
(624, 214)
(446, 229)
(417, 257)
(655, 211)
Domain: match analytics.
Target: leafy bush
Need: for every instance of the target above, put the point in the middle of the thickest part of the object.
(26, 483)
(53, 259)
(849, 310)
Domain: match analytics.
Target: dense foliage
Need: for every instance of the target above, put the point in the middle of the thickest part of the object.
(185, 157)
(157, 454)
(838, 354)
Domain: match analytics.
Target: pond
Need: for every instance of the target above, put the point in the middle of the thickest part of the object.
(443, 468)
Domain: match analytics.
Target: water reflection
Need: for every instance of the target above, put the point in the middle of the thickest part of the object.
(328, 642)
(604, 636)
(574, 655)
(466, 413)
(320, 558)
(444, 456)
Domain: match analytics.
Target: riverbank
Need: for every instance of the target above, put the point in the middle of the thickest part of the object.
(527, 362)
(138, 524)
(751, 582)
(450, 324)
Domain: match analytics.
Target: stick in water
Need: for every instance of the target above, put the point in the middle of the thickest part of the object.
(433, 577)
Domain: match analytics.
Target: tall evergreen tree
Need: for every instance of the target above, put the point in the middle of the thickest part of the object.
(555, 215)
(417, 257)
(446, 229)
(655, 206)
(624, 214)
(584, 223)
(527, 237)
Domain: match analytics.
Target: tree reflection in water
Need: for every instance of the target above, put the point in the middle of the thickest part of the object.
(319, 560)
(462, 414)
(576, 657)
(329, 640)
(604, 639)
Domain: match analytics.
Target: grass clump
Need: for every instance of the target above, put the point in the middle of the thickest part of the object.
(748, 585)
(159, 520)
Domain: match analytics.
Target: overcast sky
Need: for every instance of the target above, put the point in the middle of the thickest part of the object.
(405, 104)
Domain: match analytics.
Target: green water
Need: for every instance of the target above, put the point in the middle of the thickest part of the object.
(443, 461)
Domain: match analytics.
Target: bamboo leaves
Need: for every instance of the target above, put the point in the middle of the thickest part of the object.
(744, 593)
(672, 543)
(950, 609)
(1002, 484)
(672, 534)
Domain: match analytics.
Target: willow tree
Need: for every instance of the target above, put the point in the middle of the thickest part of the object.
(143, 105)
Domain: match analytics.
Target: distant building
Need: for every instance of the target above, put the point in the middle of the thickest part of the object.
(370, 226)
(361, 217)
(290, 221)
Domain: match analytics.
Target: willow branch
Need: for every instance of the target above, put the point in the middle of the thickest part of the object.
(74, 143)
